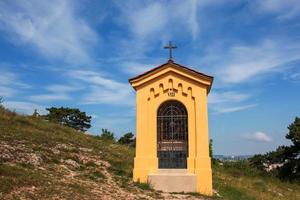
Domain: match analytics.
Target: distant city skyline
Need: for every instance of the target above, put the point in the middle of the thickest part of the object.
(82, 53)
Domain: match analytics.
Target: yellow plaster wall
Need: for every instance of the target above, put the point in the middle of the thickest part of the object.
(192, 93)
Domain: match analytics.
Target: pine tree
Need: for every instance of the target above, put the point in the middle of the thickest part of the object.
(127, 138)
(35, 113)
(71, 117)
(107, 135)
(211, 148)
(286, 156)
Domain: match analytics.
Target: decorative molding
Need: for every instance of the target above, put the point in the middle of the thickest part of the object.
(171, 91)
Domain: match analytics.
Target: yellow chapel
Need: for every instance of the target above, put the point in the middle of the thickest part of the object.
(172, 142)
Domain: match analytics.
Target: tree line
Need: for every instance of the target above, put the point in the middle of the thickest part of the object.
(80, 121)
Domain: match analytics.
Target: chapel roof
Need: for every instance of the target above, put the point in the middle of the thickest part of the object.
(171, 63)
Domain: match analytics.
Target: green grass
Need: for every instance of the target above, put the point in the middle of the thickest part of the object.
(238, 180)
(19, 175)
(95, 176)
(231, 180)
(143, 186)
(78, 188)
(41, 136)
(228, 191)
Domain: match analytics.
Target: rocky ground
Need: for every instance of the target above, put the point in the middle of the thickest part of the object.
(65, 171)
(43, 160)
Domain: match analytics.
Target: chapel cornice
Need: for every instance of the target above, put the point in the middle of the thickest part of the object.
(172, 67)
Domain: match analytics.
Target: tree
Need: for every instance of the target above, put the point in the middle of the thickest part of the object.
(71, 117)
(294, 132)
(290, 155)
(211, 148)
(286, 158)
(258, 161)
(35, 113)
(1, 100)
(128, 139)
(107, 135)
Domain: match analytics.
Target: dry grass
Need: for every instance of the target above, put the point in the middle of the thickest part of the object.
(240, 181)
(42, 160)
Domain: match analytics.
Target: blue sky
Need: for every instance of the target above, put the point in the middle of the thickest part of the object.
(81, 54)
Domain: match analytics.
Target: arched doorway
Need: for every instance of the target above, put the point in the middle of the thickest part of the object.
(172, 135)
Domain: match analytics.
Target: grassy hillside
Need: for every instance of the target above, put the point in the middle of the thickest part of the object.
(240, 181)
(42, 160)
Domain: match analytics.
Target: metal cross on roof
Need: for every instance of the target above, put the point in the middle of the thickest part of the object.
(170, 47)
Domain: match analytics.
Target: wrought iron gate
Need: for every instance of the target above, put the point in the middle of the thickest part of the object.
(172, 135)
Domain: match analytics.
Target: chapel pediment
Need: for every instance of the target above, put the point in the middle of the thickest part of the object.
(174, 69)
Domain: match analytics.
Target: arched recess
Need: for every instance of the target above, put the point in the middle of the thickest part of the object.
(172, 135)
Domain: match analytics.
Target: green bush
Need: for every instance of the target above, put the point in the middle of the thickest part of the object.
(107, 135)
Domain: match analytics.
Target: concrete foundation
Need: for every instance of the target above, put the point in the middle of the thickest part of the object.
(173, 180)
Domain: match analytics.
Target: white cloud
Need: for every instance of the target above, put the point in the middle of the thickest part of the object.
(295, 76)
(136, 68)
(24, 107)
(230, 109)
(149, 24)
(216, 97)
(9, 78)
(10, 84)
(285, 10)
(248, 63)
(292, 75)
(228, 102)
(100, 95)
(96, 79)
(63, 88)
(147, 20)
(6, 91)
(49, 97)
(50, 27)
(156, 21)
(193, 21)
(103, 90)
(258, 136)
(56, 93)
(241, 64)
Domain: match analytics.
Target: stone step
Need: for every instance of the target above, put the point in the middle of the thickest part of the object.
(172, 171)
(173, 182)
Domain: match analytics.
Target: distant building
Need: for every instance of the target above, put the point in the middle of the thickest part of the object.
(232, 157)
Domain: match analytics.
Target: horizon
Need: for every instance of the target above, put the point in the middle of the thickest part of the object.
(81, 55)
